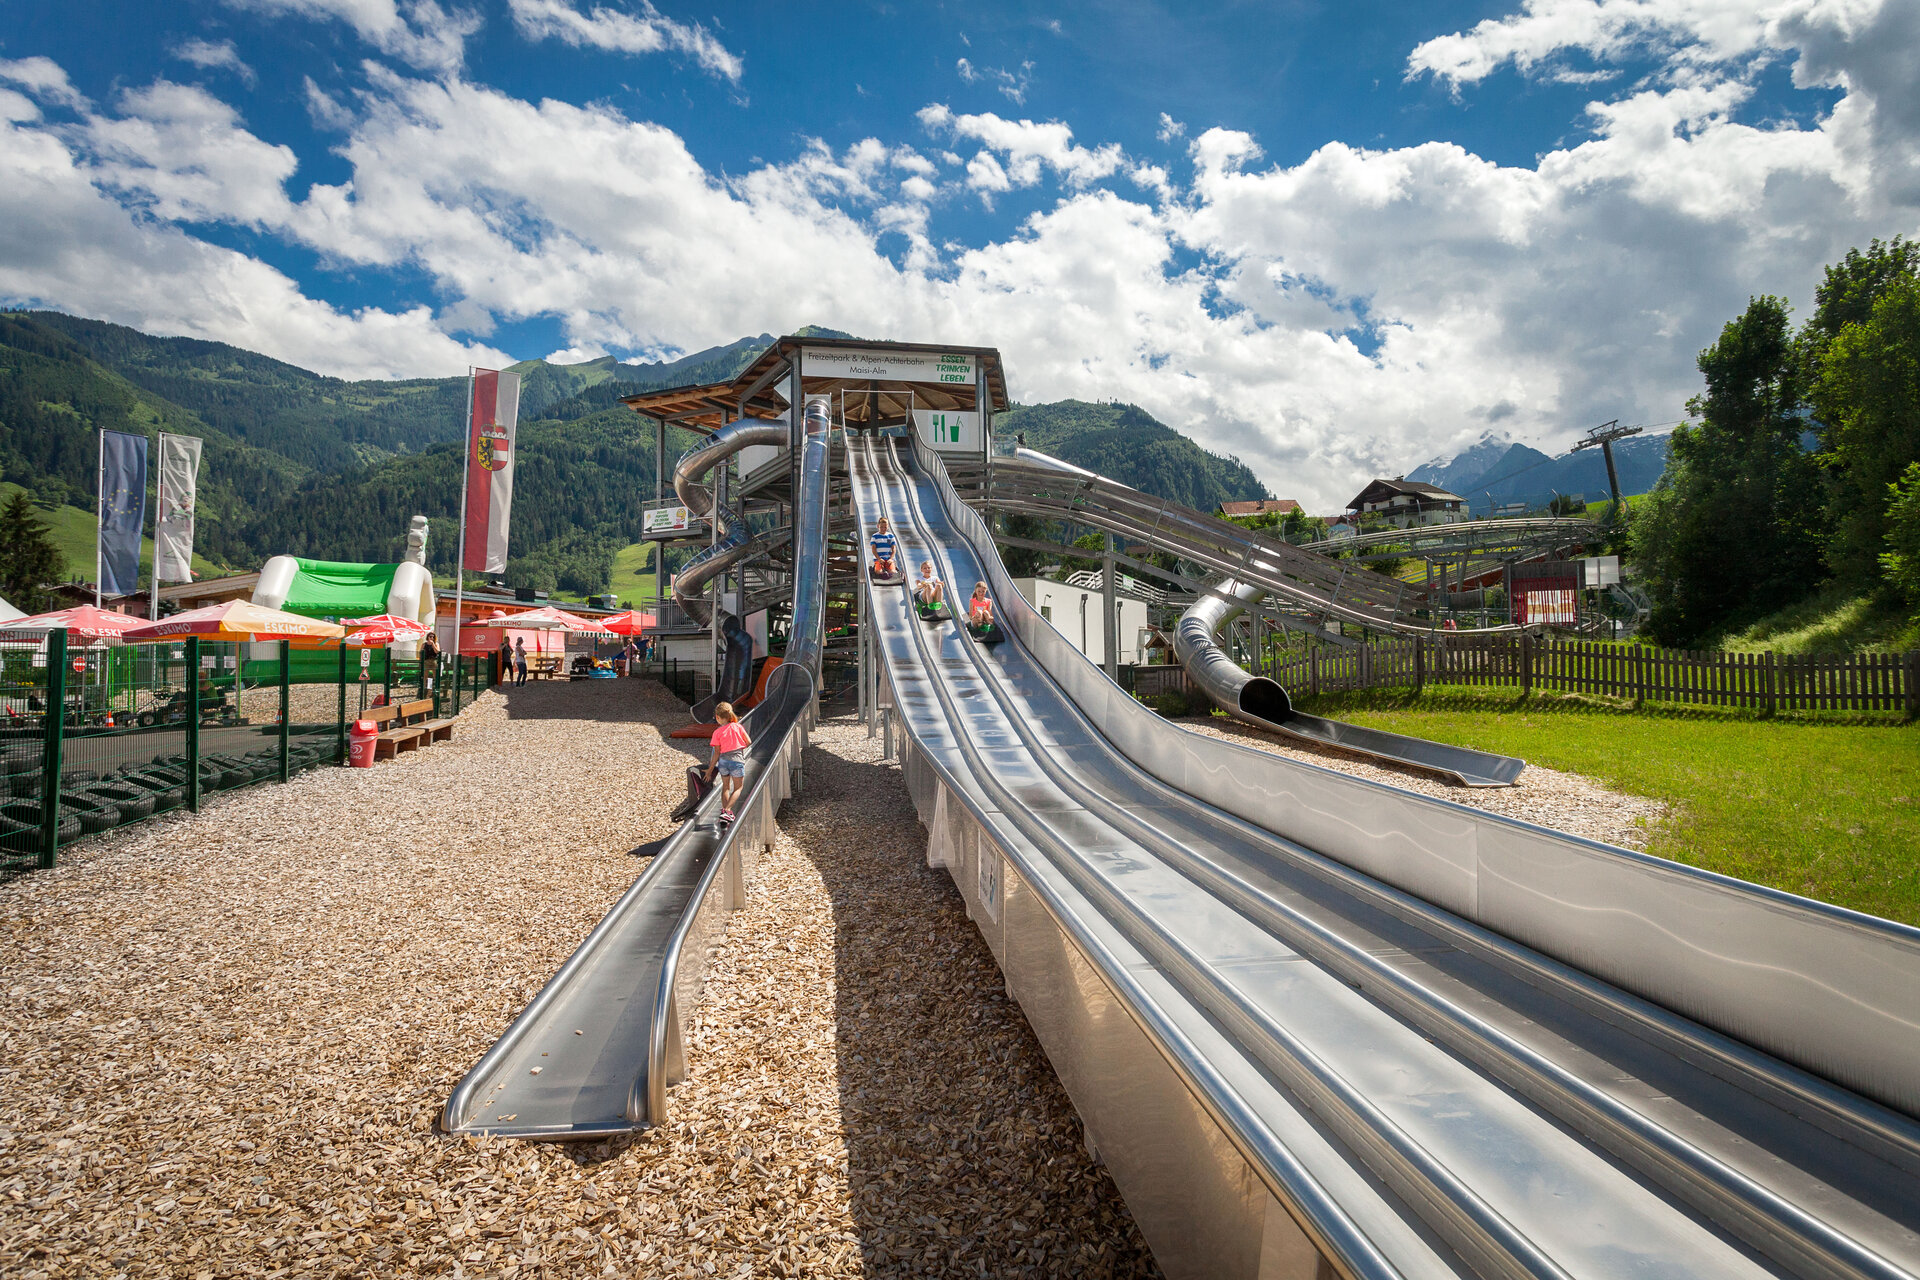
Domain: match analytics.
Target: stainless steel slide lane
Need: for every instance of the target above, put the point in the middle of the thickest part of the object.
(594, 1051)
(1443, 1060)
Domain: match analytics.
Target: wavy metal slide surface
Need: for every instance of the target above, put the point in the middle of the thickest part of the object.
(595, 1050)
(1312, 1022)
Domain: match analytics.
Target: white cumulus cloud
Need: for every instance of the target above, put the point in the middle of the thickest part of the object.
(1347, 314)
(422, 34)
(209, 55)
(647, 31)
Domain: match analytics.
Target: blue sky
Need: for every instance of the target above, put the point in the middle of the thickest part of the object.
(1327, 238)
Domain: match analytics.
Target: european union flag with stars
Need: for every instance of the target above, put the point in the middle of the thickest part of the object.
(123, 509)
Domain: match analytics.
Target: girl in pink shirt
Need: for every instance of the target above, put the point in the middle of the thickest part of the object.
(730, 743)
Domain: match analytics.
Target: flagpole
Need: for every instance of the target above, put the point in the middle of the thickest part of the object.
(99, 515)
(460, 564)
(159, 483)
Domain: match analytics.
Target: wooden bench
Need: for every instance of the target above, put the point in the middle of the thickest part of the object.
(545, 666)
(411, 729)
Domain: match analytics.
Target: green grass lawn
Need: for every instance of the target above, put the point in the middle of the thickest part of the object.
(633, 574)
(1821, 808)
(1833, 620)
(73, 532)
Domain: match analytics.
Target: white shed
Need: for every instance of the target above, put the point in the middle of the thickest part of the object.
(1075, 614)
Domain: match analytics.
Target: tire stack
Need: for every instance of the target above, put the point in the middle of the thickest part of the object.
(91, 803)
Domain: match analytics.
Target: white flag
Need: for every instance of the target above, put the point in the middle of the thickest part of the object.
(173, 528)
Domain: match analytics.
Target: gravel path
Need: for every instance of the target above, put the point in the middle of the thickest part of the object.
(1548, 797)
(226, 1038)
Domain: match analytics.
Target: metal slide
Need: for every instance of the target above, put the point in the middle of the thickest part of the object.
(734, 543)
(1316, 1025)
(1264, 703)
(595, 1050)
(1033, 483)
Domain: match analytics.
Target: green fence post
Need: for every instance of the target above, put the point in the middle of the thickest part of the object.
(193, 724)
(340, 716)
(50, 765)
(386, 675)
(459, 670)
(286, 704)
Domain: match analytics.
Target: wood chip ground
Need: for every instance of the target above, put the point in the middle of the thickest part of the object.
(226, 1038)
(1547, 797)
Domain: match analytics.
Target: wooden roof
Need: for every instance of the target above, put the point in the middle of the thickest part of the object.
(706, 406)
(1380, 490)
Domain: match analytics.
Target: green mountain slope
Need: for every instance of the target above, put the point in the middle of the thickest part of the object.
(1124, 442)
(301, 463)
(54, 398)
(73, 532)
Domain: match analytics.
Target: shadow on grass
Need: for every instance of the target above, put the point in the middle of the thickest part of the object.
(1467, 698)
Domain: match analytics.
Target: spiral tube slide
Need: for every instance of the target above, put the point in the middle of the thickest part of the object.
(734, 543)
(1264, 704)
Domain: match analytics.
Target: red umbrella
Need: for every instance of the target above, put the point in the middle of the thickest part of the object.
(628, 623)
(382, 629)
(549, 617)
(398, 625)
(82, 622)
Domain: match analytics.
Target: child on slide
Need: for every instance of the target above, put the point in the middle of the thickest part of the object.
(980, 623)
(980, 608)
(730, 743)
(884, 545)
(929, 590)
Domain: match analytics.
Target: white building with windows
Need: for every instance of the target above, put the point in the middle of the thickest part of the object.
(1074, 612)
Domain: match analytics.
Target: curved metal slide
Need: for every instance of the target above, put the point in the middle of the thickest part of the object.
(593, 1053)
(733, 542)
(1263, 703)
(1319, 1026)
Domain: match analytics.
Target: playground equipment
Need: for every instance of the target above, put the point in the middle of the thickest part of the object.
(1314, 1025)
(336, 589)
(634, 982)
(1260, 701)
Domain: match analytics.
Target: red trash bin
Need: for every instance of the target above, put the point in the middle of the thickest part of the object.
(360, 740)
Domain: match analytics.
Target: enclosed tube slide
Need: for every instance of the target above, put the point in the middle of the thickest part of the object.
(1264, 704)
(734, 543)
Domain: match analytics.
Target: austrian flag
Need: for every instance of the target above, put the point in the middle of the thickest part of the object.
(496, 407)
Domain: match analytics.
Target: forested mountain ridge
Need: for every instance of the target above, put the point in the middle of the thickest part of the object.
(1126, 443)
(303, 463)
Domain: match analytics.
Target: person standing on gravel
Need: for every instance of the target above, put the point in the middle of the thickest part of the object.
(519, 660)
(429, 662)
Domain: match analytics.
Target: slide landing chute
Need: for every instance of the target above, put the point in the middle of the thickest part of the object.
(1263, 703)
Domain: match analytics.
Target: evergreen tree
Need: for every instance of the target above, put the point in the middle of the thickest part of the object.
(28, 557)
(1733, 530)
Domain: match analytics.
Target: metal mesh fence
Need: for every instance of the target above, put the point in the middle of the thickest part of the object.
(141, 730)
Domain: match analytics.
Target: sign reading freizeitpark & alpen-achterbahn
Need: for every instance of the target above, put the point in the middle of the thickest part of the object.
(887, 366)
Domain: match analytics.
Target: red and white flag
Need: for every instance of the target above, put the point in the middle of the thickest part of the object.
(496, 408)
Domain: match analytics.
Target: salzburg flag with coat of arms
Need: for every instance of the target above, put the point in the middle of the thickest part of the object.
(496, 407)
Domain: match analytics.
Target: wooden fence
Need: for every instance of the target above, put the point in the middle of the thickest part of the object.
(1762, 682)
